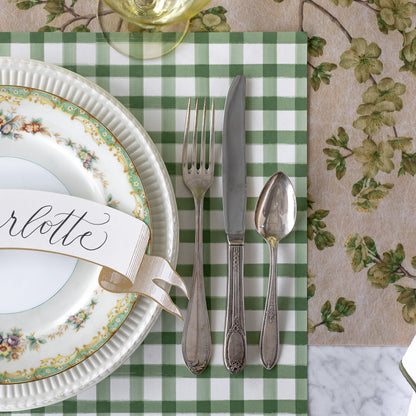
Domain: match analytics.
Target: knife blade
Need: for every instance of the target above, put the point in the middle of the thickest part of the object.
(234, 208)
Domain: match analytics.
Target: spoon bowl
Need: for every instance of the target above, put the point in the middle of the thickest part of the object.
(275, 217)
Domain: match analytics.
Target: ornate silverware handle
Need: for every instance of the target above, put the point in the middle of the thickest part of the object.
(235, 343)
(196, 339)
(269, 337)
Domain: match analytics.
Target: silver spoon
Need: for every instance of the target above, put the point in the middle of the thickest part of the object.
(275, 217)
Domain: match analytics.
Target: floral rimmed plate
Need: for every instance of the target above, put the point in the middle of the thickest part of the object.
(40, 131)
(57, 132)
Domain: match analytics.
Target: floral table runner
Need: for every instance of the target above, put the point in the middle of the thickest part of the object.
(155, 379)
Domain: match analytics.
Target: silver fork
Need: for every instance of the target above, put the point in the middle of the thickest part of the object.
(198, 177)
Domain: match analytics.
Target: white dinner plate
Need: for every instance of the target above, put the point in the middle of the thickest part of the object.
(59, 331)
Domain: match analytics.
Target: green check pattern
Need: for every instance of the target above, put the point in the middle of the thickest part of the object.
(155, 380)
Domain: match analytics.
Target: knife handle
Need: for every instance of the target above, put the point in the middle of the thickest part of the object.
(235, 343)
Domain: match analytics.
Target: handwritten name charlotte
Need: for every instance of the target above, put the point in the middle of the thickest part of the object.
(61, 228)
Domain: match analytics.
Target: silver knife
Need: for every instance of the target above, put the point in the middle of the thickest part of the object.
(234, 206)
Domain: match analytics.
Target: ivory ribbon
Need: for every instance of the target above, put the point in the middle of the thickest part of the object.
(76, 227)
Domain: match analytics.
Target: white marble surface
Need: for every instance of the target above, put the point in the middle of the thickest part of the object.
(357, 381)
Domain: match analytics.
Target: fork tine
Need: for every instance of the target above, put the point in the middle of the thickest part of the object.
(186, 139)
(212, 137)
(195, 136)
(203, 139)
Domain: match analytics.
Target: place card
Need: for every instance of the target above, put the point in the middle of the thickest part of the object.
(76, 227)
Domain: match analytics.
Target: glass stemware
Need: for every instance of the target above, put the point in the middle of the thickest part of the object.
(163, 23)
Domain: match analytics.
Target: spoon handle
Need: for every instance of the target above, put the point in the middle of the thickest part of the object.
(269, 337)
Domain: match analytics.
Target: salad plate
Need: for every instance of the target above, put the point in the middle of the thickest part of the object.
(60, 332)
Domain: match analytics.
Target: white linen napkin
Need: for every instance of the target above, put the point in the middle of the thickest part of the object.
(408, 368)
(408, 365)
(412, 407)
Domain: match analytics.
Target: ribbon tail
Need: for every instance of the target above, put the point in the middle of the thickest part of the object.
(165, 273)
(160, 296)
(154, 272)
(152, 280)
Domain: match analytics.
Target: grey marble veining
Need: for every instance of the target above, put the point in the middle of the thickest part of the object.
(357, 381)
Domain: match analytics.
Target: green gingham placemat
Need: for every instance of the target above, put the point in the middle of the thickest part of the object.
(155, 379)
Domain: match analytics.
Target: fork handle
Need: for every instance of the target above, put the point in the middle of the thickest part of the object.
(235, 343)
(196, 336)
